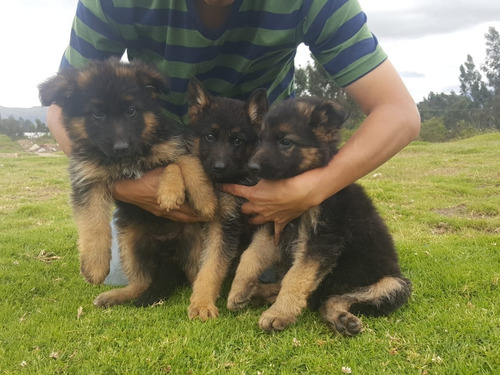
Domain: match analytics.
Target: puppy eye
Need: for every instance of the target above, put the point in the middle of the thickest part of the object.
(285, 143)
(98, 114)
(130, 111)
(210, 137)
(237, 141)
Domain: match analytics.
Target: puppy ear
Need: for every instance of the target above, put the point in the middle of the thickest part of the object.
(328, 114)
(58, 89)
(198, 100)
(257, 106)
(151, 78)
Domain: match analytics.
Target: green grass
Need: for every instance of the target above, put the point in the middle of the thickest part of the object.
(441, 202)
(8, 146)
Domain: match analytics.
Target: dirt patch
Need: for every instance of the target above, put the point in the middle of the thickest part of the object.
(461, 211)
(44, 149)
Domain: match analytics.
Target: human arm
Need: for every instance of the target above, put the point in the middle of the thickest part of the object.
(392, 121)
(141, 193)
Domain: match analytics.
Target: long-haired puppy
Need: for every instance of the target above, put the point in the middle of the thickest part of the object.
(225, 137)
(339, 256)
(112, 115)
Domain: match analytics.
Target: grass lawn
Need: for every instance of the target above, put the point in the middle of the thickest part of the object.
(441, 202)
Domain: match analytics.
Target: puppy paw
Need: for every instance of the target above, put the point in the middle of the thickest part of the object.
(170, 199)
(348, 324)
(240, 296)
(237, 301)
(106, 299)
(203, 311)
(94, 272)
(274, 321)
(171, 190)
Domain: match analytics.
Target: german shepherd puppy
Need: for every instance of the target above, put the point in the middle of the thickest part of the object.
(113, 118)
(339, 256)
(224, 140)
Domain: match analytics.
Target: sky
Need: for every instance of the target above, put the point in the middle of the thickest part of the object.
(426, 40)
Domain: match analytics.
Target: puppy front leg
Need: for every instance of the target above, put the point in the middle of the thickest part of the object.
(171, 192)
(260, 255)
(214, 267)
(199, 188)
(92, 211)
(139, 260)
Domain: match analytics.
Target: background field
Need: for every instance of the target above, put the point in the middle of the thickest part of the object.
(441, 201)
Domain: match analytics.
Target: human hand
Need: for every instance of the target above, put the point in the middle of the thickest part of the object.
(143, 192)
(279, 201)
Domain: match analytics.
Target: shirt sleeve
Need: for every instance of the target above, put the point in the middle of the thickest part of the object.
(93, 36)
(338, 37)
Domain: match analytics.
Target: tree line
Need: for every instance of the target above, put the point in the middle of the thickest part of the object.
(15, 128)
(475, 109)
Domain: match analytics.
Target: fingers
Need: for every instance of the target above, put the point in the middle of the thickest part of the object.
(238, 190)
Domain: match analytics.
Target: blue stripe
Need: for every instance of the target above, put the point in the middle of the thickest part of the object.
(94, 23)
(183, 20)
(268, 20)
(321, 19)
(343, 34)
(195, 55)
(351, 54)
(87, 50)
(146, 16)
(285, 82)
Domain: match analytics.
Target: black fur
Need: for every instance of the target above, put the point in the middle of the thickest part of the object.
(344, 236)
(113, 117)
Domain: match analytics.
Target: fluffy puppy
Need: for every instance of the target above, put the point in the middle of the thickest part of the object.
(339, 256)
(225, 136)
(112, 115)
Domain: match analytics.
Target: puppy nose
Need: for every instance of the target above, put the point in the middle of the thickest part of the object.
(219, 166)
(120, 146)
(254, 166)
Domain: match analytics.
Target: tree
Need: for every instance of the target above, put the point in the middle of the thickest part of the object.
(491, 66)
(471, 84)
(313, 80)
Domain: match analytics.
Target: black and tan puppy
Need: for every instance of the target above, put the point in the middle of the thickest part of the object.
(224, 139)
(339, 256)
(113, 118)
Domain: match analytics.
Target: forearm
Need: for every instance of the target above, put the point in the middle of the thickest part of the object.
(54, 122)
(385, 131)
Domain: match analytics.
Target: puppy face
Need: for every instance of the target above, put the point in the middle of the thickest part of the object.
(108, 106)
(295, 136)
(224, 130)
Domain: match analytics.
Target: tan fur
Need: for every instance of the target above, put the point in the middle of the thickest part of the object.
(138, 282)
(171, 190)
(209, 280)
(199, 188)
(260, 255)
(335, 311)
(305, 108)
(297, 285)
(310, 158)
(94, 235)
(78, 128)
(150, 123)
(326, 136)
(214, 265)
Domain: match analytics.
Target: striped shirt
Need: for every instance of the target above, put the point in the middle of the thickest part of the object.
(255, 48)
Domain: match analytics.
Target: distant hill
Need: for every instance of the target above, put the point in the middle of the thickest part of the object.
(31, 114)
